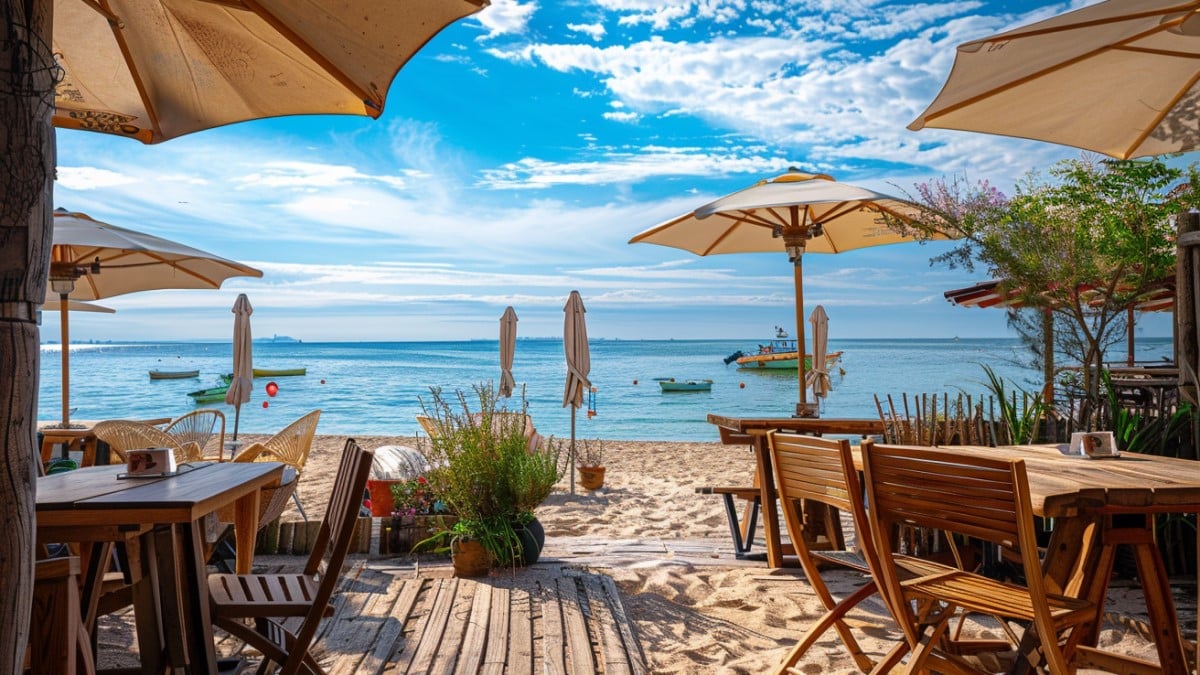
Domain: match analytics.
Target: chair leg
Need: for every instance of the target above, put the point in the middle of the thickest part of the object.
(832, 617)
(741, 544)
(299, 506)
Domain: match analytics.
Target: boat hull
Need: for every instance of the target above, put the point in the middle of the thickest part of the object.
(279, 372)
(173, 374)
(782, 361)
(689, 385)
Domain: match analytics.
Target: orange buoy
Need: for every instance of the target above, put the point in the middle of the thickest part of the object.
(322, 381)
(264, 404)
(635, 381)
(741, 385)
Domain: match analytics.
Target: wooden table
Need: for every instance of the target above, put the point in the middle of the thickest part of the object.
(1098, 504)
(161, 521)
(752, 431)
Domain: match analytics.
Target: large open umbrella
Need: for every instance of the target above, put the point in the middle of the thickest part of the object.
(48, 47)
(243, 359)
(579, 364)
(1120, 77)
(91, 260)
(795, 213)
(508, 345)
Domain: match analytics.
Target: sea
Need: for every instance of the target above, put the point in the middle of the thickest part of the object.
(378, 388)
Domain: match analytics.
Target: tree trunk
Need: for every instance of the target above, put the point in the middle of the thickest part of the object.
(27, 157)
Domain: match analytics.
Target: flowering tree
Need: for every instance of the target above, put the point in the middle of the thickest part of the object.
(1083, 243)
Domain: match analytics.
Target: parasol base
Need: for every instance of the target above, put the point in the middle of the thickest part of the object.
(808, 409)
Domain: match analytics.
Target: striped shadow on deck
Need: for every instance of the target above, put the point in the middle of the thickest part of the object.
(536, 620)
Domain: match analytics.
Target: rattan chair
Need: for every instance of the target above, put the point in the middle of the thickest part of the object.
(300, 599)
(123, 436)
(200, 427)
(290, 446)
(976, 496)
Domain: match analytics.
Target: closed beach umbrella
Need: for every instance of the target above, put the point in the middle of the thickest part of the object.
(795, 213)
(818, 377)
(508, 345)
(579, 363)
(1120, 77)
(91, 260)
(243, 359)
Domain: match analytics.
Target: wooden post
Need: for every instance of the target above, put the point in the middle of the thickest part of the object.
(1187, 306)
(26, 202)
(802, 408)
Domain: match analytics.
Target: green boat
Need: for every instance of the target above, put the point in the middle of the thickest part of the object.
(212, 394)
(279, 372)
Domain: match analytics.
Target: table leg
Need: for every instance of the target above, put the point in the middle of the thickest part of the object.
(770, 510)
(144, 579)
(245, 530)
(197, 616)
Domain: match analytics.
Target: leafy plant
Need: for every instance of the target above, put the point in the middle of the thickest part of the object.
(1152, 434)
(491, 466)
(417, 497)
(1020, 421)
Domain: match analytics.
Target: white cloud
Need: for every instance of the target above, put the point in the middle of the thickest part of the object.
(505, 17)
(302, 175)
(91, 178)
(624, 117)
(592, 30)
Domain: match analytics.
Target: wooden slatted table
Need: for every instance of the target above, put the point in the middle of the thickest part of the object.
(161, 521)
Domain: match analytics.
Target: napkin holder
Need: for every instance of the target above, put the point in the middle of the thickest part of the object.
(150, 462)
(1094, 444)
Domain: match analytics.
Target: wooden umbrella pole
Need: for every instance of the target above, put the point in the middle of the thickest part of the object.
(572, 469)
(64, 331)
(798, 273)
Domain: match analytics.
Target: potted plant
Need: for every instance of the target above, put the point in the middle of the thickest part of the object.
(491, 475)
(590, 462)
(418, 509)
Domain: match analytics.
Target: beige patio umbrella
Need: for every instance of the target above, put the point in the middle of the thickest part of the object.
(243, 359)
(579, 364)
(508, 345)
(1120, 77)
(91, 260)
(818, 377)
(153, 70)
(795, 213)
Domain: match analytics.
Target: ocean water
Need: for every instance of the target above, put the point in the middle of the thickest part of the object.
(373, 388)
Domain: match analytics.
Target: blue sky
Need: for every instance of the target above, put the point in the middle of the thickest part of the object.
(523, 147)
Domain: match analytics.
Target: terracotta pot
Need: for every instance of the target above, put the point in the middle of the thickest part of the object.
(382, 501)
(591, 477)
(470, 558)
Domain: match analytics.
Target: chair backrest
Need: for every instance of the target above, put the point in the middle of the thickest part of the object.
(123, 436)
(291, 445)
(199, 427)
(982, 497)
(333, 541)
(429, 426)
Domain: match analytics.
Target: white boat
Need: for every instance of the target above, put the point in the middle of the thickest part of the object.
(779, 353)
(670, 384)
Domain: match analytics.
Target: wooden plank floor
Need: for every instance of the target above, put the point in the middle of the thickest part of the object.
(542, 619)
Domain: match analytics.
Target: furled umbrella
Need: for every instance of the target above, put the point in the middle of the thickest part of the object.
(508, 345)
(818, 377)
(579, 364)
(1120, 77)
(91, 260)
(795, 212)
(243, 359)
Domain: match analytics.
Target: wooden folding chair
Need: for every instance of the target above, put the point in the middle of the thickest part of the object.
(980, 497)
(59, 640)
(271, 599)
(822, 470)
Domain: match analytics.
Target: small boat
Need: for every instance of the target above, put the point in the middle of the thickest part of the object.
(279, 372)
(173, 374)
(210, 395)
(671, 384)
(779, 353)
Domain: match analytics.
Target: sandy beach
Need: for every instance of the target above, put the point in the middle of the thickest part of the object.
(702, 614)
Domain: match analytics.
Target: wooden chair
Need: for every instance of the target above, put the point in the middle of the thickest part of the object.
(58, 641)
(822, 470)
(290, 446)
(125, 435)
(199, 427)
(270, 599)
(979, 497)
(273, 500)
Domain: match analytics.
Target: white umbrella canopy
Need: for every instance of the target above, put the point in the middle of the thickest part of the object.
(76, 306)
(508, 347)
(154, 70)
(1120, 77)
(795, 212)
(243, 359)
(579, 363)
(818, 377)
(91, 260)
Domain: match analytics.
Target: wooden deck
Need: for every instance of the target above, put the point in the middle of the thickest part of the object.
(543, 619)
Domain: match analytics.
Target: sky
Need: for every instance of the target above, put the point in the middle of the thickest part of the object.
(523, 147)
